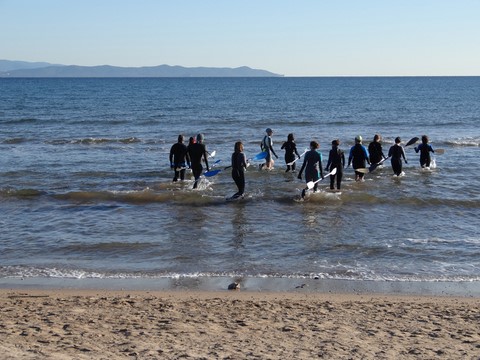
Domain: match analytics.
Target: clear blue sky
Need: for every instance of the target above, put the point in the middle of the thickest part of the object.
(294, 38)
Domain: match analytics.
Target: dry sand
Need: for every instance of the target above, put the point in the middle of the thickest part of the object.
(79, 324)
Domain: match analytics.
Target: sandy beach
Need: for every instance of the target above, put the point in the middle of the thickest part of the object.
(98, 324)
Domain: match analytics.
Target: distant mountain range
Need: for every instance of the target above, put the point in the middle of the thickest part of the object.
(41, 69)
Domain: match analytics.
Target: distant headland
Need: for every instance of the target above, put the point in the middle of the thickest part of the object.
(17, 69)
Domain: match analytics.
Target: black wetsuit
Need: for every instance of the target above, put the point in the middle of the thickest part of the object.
(312, 163)
(239, 164)
(425, 150)
(290, 151)
(359, 155)
(336, 160)
(396, 152)
(196, 152)
(375, 152)
(178, 155)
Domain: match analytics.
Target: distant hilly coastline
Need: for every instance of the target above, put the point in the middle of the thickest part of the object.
(17, 69)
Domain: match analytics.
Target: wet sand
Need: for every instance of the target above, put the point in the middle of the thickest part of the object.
(113, 324)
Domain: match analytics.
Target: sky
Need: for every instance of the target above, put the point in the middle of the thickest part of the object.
(292, 38)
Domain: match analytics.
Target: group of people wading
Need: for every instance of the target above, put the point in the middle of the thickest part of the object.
(191, 156)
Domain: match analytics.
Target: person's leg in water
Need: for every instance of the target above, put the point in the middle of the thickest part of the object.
(425, 161)
(268, 162)
(359, 176)
(197, 172)
(332, 182)
(339, 178)
(289, 159)
(397, 166)
(239, 179)
(176, 172)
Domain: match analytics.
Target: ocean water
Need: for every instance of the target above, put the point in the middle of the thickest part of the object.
(86, 190)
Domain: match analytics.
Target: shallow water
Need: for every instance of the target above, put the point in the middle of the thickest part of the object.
(86, 189)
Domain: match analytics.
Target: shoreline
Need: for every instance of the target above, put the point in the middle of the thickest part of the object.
(119, 324)
(463, 289)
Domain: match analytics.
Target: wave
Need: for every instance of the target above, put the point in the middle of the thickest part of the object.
(28, 120)
(180, 194)
(21, 193)
(84, 141)
(94, 141)
(14, 141)
(116, 196)
(21, 272)
(105, 247)
(455, 243)
(416, 202)
(467, 141)
(183, 194)
(95, 119)
(471, 141)
(139, 197)
(459, 142)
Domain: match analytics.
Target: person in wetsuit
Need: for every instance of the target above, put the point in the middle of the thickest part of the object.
(425, 149)
(267, 146)
(196, 152)
(178, 155)
(396, 153)
(336, 160)
(239, 164)
(312, 163)
(375, 150)
(290, 151)
(358, 157)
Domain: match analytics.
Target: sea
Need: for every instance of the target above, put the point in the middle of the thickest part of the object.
(87, 197)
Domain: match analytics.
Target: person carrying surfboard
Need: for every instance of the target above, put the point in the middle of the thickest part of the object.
(312, 163)
(396, 153)
(358, 157)
(336, 160)
(239, 165)
(290, 151)
(267, 145)
(196, 152)
(425, 149)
